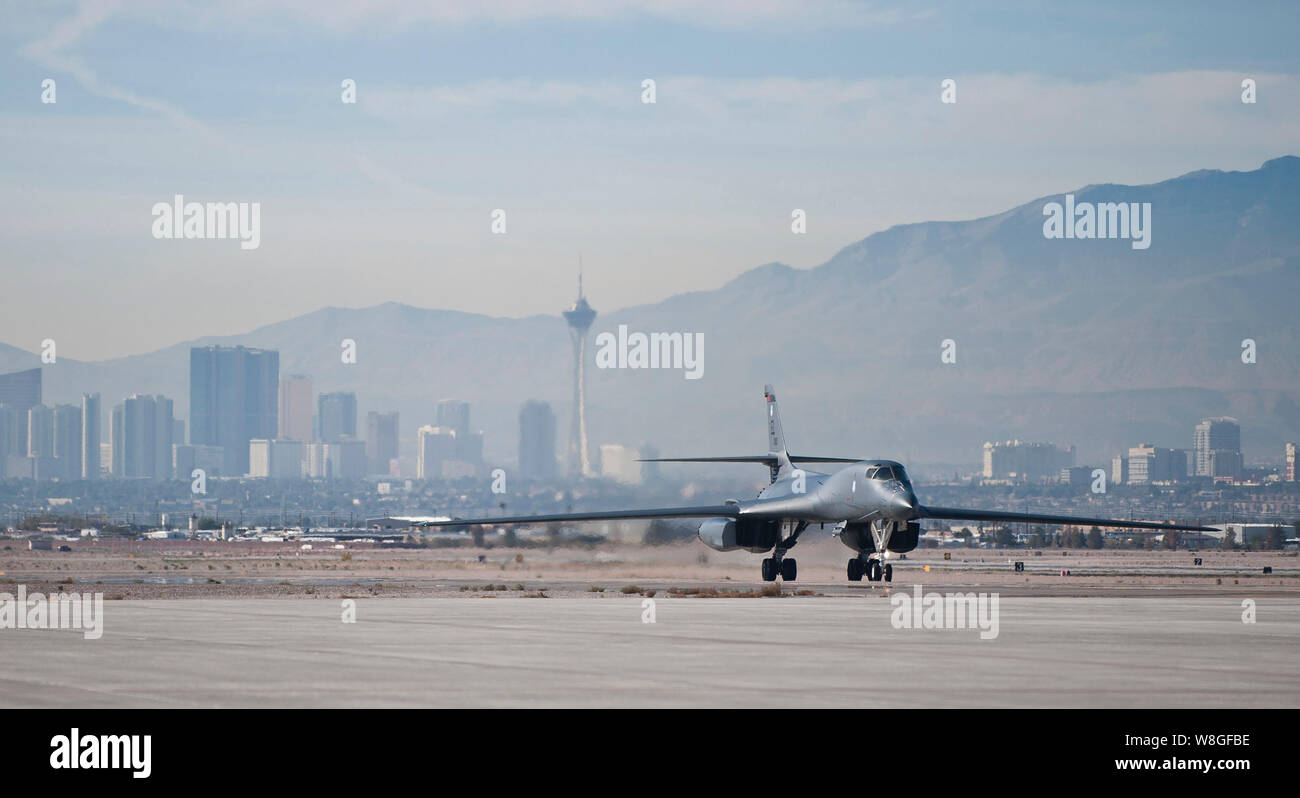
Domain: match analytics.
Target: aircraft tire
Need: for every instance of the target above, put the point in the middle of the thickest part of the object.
(769, 573)
(889, 572)
(855, 570)
(789, 570)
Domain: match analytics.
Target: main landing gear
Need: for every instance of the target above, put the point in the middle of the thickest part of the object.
(872, 565)
(777, 564)
(870, 569)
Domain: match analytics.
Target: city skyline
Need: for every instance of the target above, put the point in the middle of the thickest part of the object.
(145, 426)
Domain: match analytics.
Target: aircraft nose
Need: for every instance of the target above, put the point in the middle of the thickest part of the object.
(902, 505)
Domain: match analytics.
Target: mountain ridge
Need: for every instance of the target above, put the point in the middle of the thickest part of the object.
(1085, 321)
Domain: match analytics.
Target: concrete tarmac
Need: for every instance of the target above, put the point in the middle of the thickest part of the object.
(532, 652)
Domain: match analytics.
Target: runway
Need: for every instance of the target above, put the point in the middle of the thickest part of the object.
(532, 652)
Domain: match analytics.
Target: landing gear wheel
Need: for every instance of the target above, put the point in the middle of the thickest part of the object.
(889, 572)
(789, 570)
(769, 570)
(873, 571)
(855, 570)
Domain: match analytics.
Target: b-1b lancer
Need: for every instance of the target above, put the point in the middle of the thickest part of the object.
(869, 503)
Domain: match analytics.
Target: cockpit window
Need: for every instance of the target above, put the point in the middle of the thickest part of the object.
(885, 473)
(871, 472)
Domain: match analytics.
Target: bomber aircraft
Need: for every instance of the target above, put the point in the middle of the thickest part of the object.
(869, 504)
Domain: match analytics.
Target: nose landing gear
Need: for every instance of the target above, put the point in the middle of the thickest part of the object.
(870, 568)
(871, 564)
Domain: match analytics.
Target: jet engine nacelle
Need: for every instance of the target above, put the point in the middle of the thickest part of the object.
(729, 534)
(904, 539)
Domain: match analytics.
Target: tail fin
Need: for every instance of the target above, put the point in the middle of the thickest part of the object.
(777, 458)
(776, 437)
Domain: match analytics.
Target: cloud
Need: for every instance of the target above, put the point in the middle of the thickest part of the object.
(342, 16)
(53, 52)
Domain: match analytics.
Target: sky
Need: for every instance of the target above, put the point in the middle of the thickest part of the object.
(536, 108)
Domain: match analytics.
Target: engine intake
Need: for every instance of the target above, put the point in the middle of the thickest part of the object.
(858, 537)
(729, 534)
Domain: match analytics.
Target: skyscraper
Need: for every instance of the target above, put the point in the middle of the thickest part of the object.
(295, 408)
(381, 441)
(1220, 434)
(40, 431)
(233, 399)
(452, 414)
(338, 416)
(1148, 463)
(1289, 464)
(579, 318)
(275, 459)
(90, 437)
(21, 388)
(67, 440)
(437, 445)
(19, 391)
(10, 427)
(536, 441)
(41, 457)
(142, 438)
(117, 441)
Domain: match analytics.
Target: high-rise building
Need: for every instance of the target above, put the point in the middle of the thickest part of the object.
(234, 398)
(452, 414)
(1289, 470)
(579, 318)
(381, 442)
(295, 408)
(20, 390)
(67, 441)
(1147, 463)
(1119, 470)
(436, 447)
(13, 423)
(1023, 460)
(117, 441)
(164, 436)
(42, 460)
(189, 456)
(1216, 434)
(1225, 465)
(279, 458)
(142, 438)
(40, 431)
(90, 437)
(536, 441)
(344, 458)
(337, 416)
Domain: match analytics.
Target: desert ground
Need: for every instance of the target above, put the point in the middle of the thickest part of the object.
(185, 569)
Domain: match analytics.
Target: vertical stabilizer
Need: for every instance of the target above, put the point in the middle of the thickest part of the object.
(776, 437)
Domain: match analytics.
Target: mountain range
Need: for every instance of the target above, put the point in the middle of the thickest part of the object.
(1076, 341)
